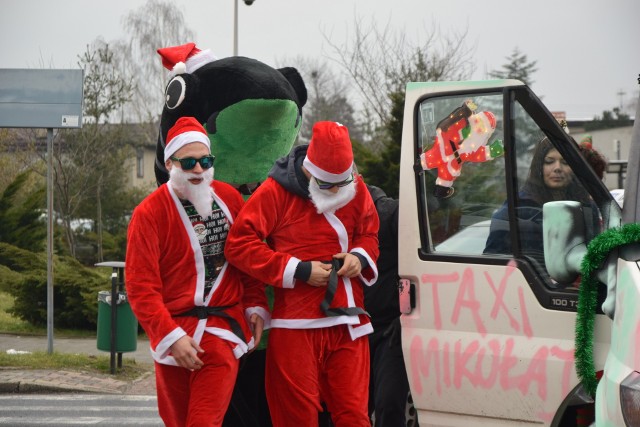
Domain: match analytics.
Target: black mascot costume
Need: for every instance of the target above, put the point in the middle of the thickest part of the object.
(252, 114)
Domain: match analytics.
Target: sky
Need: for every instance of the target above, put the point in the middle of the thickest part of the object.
(587, 53)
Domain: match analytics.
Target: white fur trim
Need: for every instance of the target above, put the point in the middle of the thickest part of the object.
(161, 352)
(241, 346)
(320, 322)
(193, 63)
(199, 60)
(372, 266)
(360, 331)
(266, 316)
(183, 139)
(324, 175)
(341, 231)
(356, 329)
(288, 281)
(179, 68)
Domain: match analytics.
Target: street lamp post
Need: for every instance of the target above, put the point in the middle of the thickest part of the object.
(235, 27)
(235, 23)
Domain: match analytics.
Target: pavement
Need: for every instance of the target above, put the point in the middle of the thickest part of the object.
(16, 380)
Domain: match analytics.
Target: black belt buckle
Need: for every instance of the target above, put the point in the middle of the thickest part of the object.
(201, 312)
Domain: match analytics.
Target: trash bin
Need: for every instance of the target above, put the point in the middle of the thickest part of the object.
(126, 324)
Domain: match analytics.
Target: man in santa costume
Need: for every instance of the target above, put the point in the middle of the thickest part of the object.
(198, 311)
(310, 230)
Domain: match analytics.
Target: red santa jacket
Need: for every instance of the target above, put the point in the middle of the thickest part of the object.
(277, 229)
(165, 275)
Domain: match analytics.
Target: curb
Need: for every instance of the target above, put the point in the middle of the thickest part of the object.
(52, 381)
(29, 388)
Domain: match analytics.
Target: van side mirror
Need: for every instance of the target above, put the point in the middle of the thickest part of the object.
(564, 238)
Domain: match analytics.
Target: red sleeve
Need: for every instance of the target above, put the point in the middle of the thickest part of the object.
(246, 247)
(253, 290)
(143, 282)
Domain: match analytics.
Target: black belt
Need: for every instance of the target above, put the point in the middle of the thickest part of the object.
(455, 152)
(202, 312)
(332, 286)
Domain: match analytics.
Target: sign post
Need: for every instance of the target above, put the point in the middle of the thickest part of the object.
(50, 99)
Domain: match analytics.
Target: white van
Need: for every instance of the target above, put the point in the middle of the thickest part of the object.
(488, 336)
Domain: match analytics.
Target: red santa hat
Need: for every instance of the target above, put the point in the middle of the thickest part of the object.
(185, 58)
(185, 131)
(329, 156)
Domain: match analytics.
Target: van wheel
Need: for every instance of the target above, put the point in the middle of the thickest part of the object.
(411, 414)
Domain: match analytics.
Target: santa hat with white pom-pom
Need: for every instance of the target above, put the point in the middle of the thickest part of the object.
(185, 58)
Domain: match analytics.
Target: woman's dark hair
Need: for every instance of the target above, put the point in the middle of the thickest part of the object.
(535, 187)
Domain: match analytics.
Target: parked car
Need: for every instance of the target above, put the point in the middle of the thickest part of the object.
(469, 240)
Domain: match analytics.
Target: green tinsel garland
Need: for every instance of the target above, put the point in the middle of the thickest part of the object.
(597, 252)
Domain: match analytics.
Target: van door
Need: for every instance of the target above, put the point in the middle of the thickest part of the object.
(490, 336)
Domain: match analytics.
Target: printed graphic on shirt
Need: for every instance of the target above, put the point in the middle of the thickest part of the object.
(212, 235)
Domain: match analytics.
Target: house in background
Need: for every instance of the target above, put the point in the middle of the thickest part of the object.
(141, 168)
(613, 143)
(141, 138)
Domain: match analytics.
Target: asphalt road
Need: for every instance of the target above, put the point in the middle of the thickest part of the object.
(63, 410)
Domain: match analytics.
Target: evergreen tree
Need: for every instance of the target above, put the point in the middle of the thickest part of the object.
(609, 119)
(518, 67)
(20, 210)
(389, 159)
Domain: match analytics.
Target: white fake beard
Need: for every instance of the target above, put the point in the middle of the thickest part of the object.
(326, 201)
(201, 195)
(479, 136)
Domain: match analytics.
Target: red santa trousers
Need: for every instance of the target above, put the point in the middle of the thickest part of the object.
(308, 366)
(199, 398)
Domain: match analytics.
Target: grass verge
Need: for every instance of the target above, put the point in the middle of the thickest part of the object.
(76, 362)
(13, 325)
(43, 360)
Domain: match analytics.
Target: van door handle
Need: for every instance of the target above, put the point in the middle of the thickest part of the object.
(407, 295)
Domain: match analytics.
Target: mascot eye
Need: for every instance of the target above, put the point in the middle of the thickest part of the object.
(175, 93)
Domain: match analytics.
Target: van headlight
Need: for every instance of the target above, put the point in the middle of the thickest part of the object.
(630, 399)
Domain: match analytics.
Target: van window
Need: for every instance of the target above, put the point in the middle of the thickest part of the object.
(463, 179)
(542, 175)
(463, 184)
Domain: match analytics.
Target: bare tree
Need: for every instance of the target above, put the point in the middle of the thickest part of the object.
(14, 159)
(154, 25)
(328, 97)
(106, 88)
(90, 159)
(380, 61)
